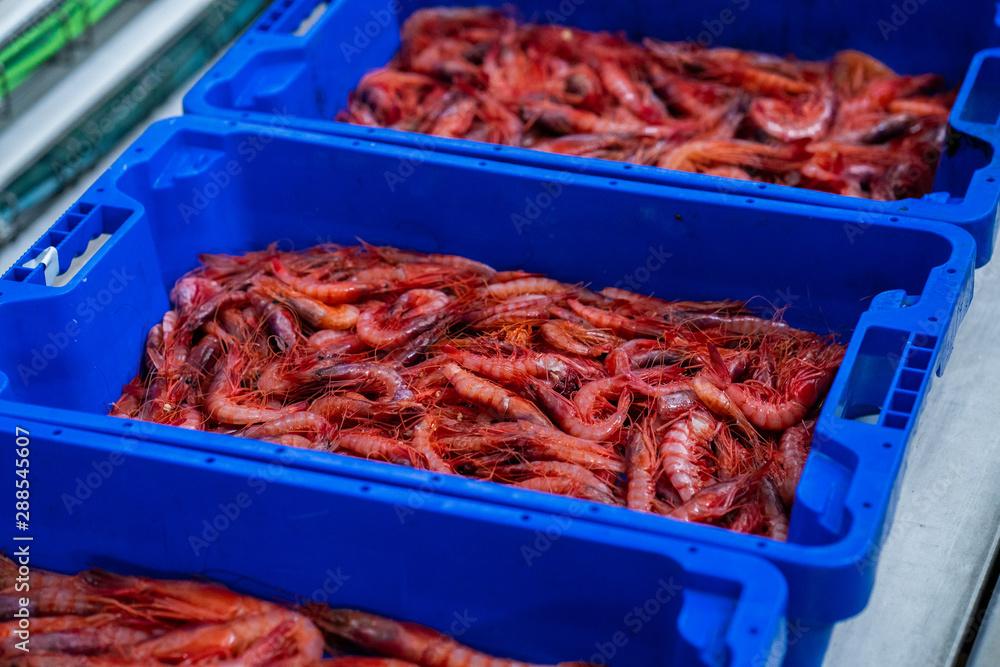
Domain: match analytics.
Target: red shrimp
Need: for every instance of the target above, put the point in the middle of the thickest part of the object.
(570, 419)
(381, 377)
(633, 95)
(607, 320)
(491, 396)
(561, 478)
(640, 455)
(575, 339)
(681, 448)
(522, 286)
(712, 502)
(220, 403)
(166, 600)
(793, 448)
(774, 512)
(547, 442)
(329, 292)
(509, 369)
(315, 313)
(771, 411)
(423, 442)
(387, 326)
(229, 639)
(638, 353)
(305, 422)
(401, 640)
(78, 635)
(371, 445)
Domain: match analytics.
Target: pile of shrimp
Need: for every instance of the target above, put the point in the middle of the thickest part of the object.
(100, 619)
(700, 411)
(849, 125)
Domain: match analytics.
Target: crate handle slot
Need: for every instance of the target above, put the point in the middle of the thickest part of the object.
(294, 17)
(979, 100)
(67, 248)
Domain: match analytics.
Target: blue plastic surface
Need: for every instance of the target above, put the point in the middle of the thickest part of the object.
(895, 289)
(302, 80)
(527, 586)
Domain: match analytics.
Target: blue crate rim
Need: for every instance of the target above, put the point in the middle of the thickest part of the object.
(846, 551)
(981, 199)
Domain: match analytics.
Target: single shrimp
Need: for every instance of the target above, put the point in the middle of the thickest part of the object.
(571, 419)
(640, 455)
(492, 396)
(230, 639)
(774, 512)
(168, 600)
(387, 326)
(606, 320)
(387, 381)
(793, 449)
(573, 479)
(423, 442)
(401, 640)
(219, 401)
(712, 502)
(768, 410)
(374, 446)
(680, 449)
(303, 423)
(329, 292)
(77, 635)
(574, 339)
(522, 286)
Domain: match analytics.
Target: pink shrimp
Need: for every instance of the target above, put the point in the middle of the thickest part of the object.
(380, 377)
(575, 339)
(330, 293)
(387, 326)
(230, 639)
(771, 411)
(712, 502)
(492, 396)
(304, 422)
(569, 417)
(509, 369)
(522, 286)
(641, 457)
(73, 634)
(561, 478)
(793, 448)
(680, 449)
(774, 512)
(423, 442)
(219, 399)
(401, 640)
(607, 320)
(371, 445)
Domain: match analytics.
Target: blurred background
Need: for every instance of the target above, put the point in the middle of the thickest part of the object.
(79, 79)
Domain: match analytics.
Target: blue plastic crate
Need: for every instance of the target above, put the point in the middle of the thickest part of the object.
(300, 75)
(488, 575)
(895, 289)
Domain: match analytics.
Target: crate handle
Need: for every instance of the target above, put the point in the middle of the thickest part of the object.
(294, 17)
(978, 101)
(68, 247)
